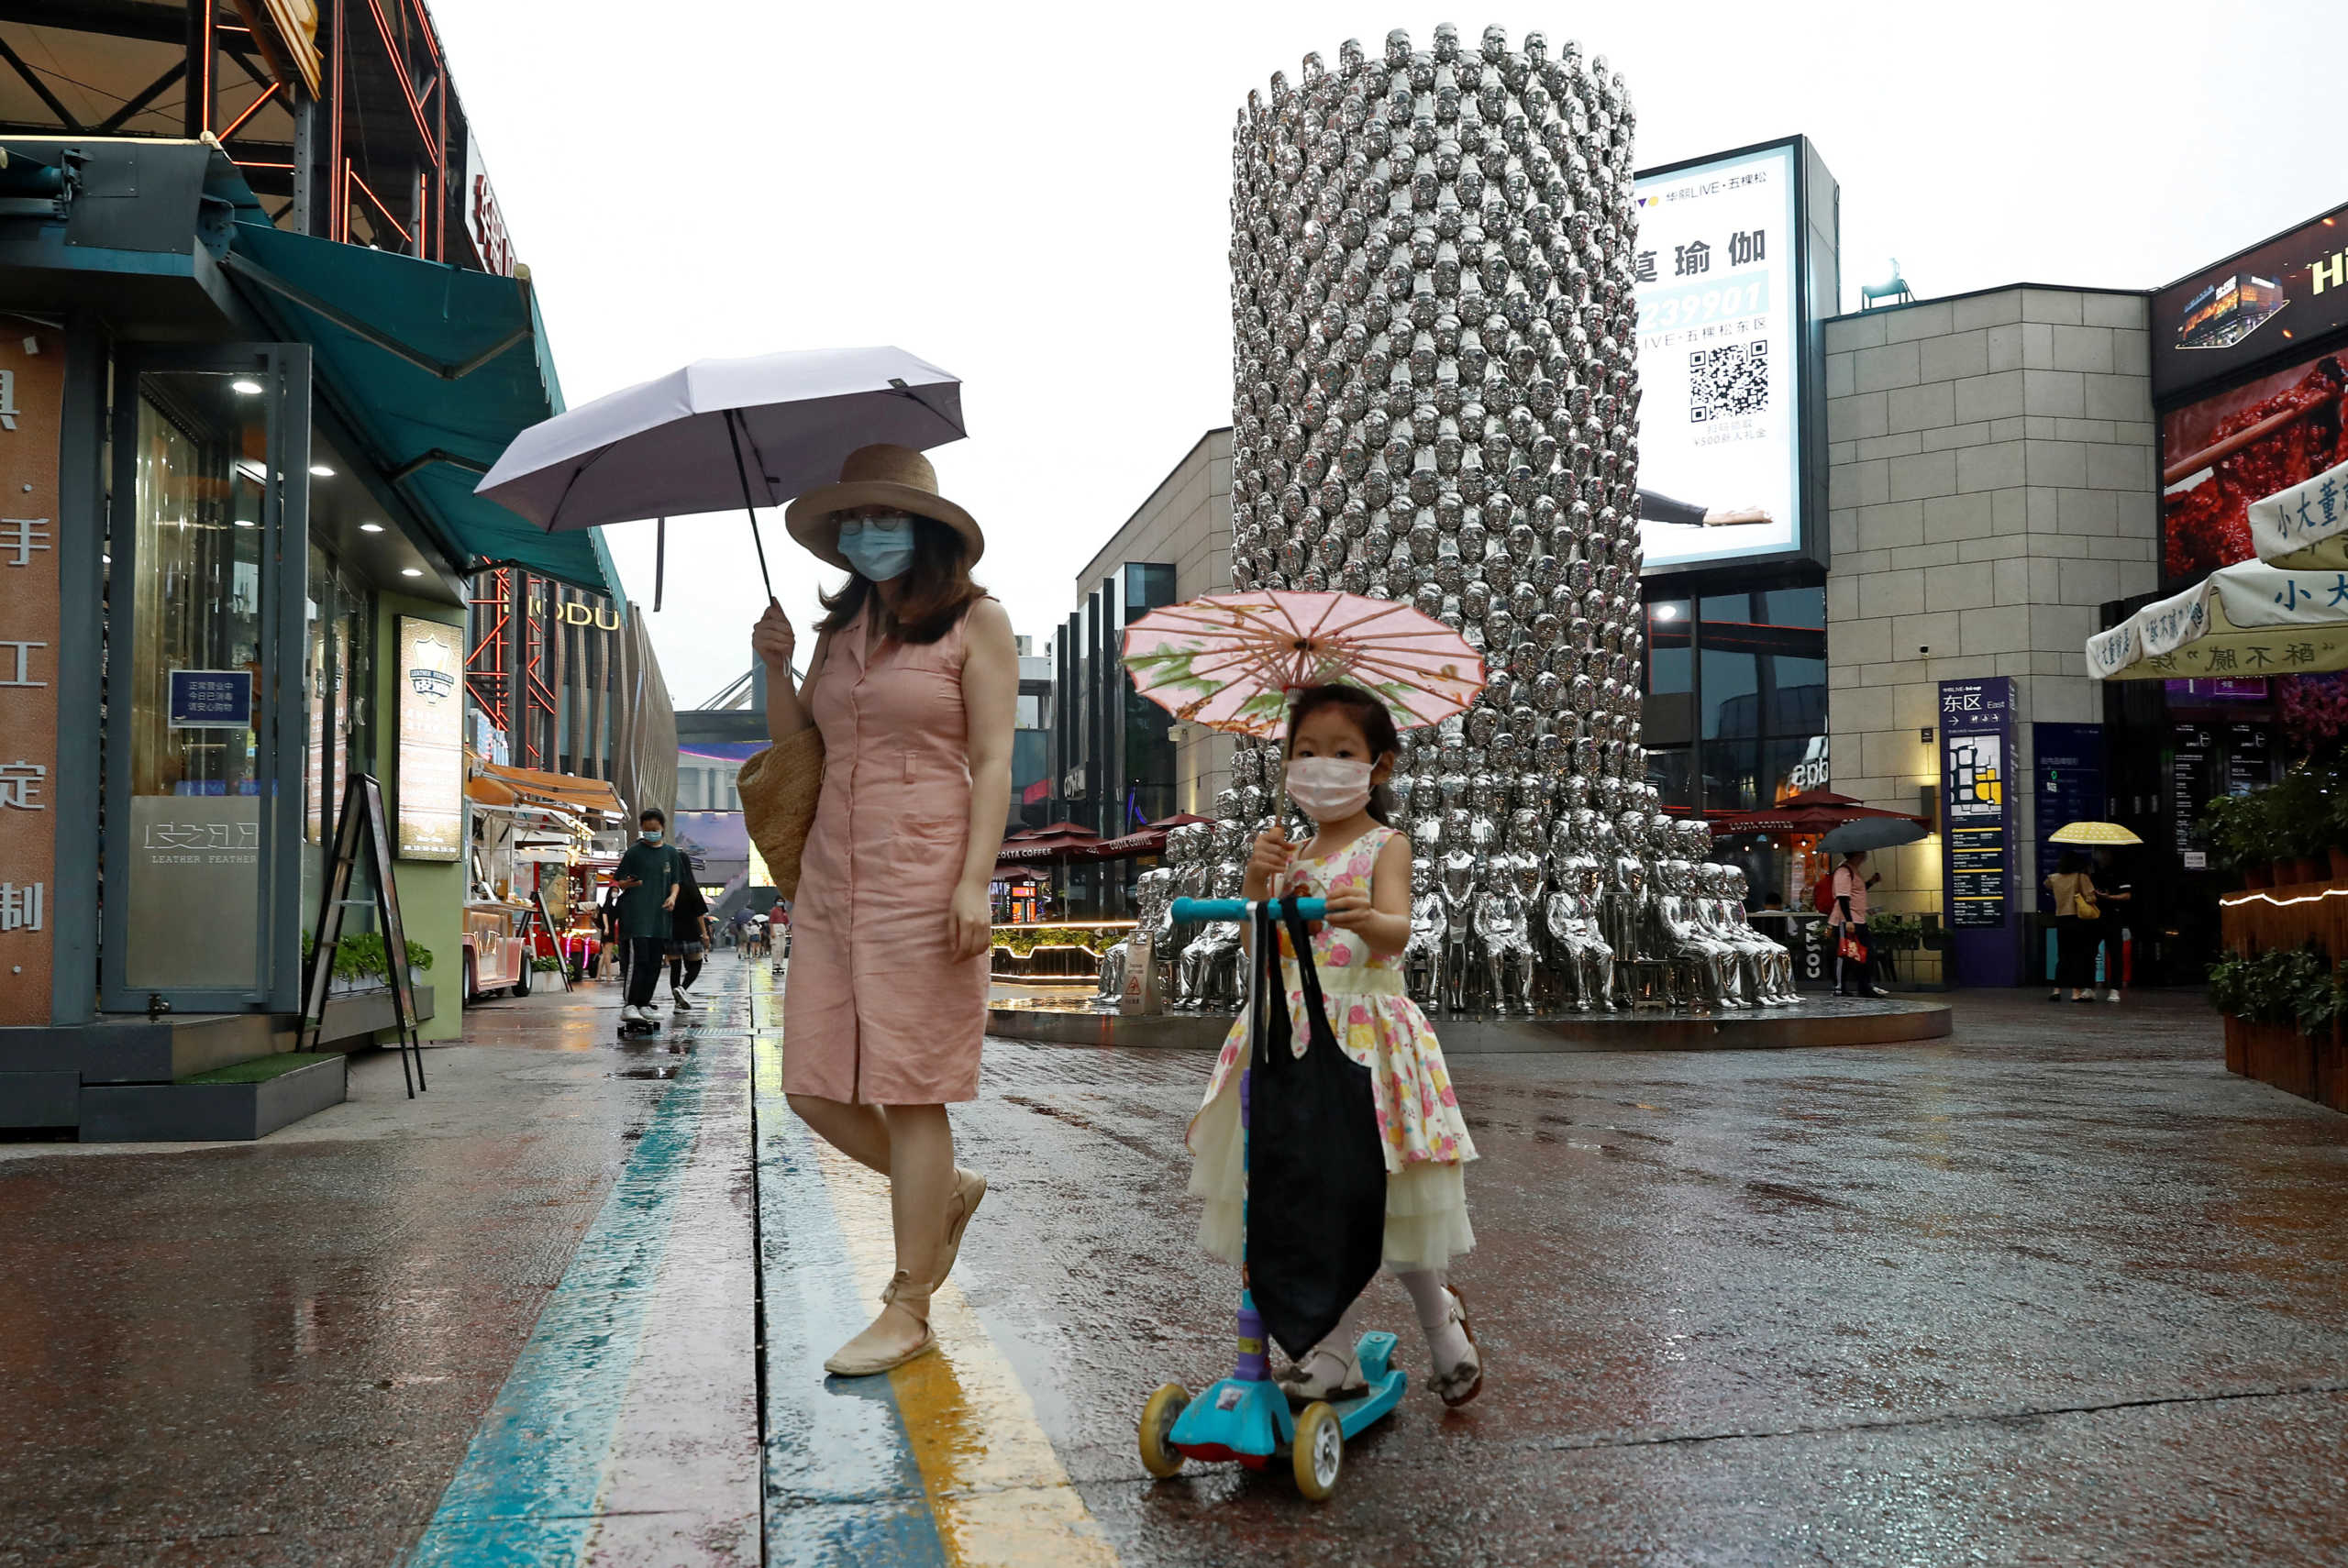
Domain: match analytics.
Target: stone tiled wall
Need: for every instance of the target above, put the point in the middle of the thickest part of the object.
(1993, 481)
(1187, 520)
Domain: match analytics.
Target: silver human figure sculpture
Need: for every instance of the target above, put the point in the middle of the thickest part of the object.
(1704, 883)
(1707, 966)
(1626, 901)
(1423, 956)
(1459, 891)
(1203, 958)
(1503, 926)
(1772, 966)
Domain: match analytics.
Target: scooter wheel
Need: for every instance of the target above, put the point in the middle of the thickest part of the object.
(1318, 1451)
(1158, 1418)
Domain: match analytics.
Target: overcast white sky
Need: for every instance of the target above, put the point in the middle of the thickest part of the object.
(1034, 198)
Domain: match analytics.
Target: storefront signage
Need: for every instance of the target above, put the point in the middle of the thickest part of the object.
(211, 700)
(2066, 780)
(2193, 751)
(1722, 354)
(2231, 315)
(485, 222)
(32, 377)
(1977, 730)
(195, 908)
(432, 740)
(2190, 693)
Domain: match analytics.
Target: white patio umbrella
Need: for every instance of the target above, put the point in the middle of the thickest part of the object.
(719, 433)
(2248, 619)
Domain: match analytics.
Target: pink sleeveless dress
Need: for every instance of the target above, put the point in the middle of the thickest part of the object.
(877, 1009)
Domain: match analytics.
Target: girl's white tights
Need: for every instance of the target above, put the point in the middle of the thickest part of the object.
(1445, 1341)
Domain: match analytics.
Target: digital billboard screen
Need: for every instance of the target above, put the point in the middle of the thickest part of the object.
(1722, 324)
(2221, 453)
(2240, 313)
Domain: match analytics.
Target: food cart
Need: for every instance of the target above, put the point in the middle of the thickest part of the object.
(528, 833)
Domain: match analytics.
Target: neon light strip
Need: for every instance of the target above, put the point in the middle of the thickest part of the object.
(2281, 903)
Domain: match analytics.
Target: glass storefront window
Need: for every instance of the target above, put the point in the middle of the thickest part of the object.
(196, 684)
(1736, 697)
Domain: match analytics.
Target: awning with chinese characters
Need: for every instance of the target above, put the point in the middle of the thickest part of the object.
(2304, 528)
(2247, 619)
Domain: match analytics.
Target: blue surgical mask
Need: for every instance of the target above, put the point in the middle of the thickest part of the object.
(651, 836)
(880, 548)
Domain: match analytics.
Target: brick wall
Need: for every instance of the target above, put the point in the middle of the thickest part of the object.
(1993, 481)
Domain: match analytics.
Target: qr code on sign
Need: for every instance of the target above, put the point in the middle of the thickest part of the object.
(1727, 382)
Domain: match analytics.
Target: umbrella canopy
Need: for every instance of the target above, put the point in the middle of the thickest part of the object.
(722, 433)
(2092, 832)
(1812, 811)
(1872, 833)
(1228, 660)
(2245, 619)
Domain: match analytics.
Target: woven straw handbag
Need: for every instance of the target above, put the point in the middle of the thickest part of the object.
(779, 789)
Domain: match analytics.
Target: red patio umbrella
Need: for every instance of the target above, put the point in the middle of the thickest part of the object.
(1812, 811)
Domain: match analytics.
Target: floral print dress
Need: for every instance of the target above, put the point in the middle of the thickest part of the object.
(1374, 1019)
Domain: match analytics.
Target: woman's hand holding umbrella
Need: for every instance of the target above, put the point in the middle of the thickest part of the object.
(773, 640)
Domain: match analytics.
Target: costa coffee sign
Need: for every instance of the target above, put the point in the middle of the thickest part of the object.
(483, 221)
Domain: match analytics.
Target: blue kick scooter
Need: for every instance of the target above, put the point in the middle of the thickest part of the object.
(1244, 1417)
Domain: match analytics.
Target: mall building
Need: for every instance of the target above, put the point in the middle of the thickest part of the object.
(264, 330)
(1874, 566)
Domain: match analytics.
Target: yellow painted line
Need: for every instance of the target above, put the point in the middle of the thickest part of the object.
(995, 1485)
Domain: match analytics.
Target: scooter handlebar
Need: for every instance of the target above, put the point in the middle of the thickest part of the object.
(1189, 910)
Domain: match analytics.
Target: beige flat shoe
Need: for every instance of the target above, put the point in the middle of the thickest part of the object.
(868, 1355)
(969, 1190)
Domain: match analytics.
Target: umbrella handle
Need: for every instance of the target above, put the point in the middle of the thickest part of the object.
(741, 469)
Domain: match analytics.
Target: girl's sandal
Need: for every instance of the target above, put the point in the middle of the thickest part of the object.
(1323, 1374)
(864, 1357)
(1465, 1379)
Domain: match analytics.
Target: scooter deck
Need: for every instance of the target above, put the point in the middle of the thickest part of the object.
(1251, 1422)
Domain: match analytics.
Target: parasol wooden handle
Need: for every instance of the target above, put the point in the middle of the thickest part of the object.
(2209, 456)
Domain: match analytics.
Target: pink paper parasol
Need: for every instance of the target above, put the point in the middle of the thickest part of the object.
(1228, 660)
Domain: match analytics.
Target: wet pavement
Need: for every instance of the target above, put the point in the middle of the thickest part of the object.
(2056, 1289)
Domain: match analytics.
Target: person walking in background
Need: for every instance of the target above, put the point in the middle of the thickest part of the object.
(1847, 918)
(914, 686)
(2114, 893)
(647, 877)
(2077, 919)
(688, 935)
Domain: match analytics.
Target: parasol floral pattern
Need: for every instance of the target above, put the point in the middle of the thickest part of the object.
(1228, 660)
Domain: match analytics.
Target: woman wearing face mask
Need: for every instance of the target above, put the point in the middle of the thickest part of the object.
(1341, 750)
(914, 684)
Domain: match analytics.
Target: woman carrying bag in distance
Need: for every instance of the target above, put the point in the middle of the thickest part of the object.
(914, 686)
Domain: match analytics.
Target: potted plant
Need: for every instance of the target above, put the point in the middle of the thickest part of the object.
(2277, 1005)
(2240, 835)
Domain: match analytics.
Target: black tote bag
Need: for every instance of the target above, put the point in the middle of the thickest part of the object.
(1316, 1172)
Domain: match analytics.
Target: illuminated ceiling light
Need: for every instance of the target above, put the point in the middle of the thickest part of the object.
(246, 522)
(370, 527)
(1667, 612)
(322, 471)
(245, 386)
(411, 571)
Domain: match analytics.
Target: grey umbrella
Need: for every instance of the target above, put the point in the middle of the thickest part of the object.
(1872, 833)
(722, 433)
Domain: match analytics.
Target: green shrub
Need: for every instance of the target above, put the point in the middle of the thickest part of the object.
(2283, 985)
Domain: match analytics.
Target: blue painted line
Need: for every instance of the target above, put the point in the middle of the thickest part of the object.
(527, 1492)
(843, 1489)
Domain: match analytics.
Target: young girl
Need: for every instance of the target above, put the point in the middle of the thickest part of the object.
(1342, 746)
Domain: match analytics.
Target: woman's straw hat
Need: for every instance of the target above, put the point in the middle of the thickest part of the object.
(879, 475)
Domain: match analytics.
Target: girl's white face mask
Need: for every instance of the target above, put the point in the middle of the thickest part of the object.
(1330, 788)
